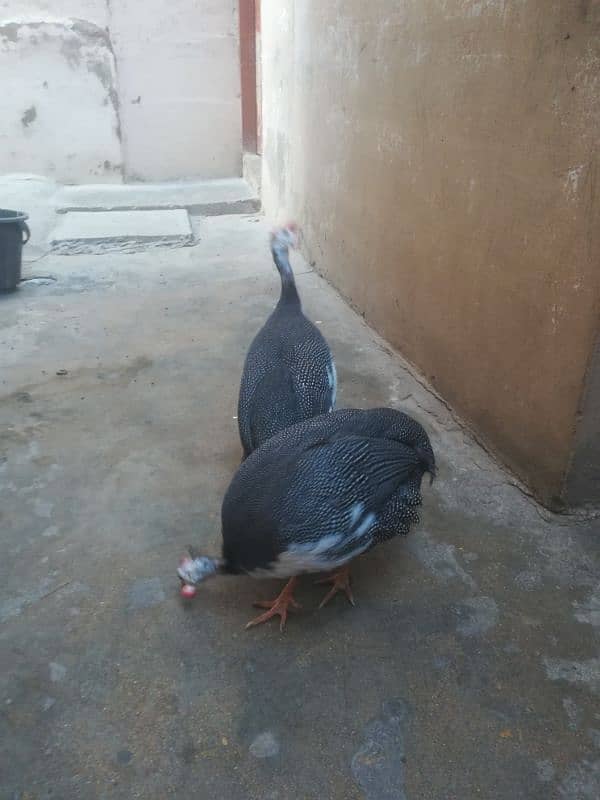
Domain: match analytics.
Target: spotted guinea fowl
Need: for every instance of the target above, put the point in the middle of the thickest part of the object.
(289, 374)
(316, 496)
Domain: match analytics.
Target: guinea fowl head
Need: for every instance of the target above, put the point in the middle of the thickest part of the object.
(285, 237)
(193, 569)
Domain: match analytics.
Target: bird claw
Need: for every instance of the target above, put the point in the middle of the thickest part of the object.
(340, 581)
(278, 607)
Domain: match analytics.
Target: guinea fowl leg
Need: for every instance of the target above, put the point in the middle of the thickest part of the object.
(278, 607)
(340, 581)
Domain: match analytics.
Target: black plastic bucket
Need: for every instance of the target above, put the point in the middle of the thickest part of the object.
(14, 233)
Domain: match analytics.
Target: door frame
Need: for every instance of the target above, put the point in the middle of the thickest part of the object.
(249, 13)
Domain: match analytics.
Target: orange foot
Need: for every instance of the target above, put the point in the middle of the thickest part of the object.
(278, 607)
(340, 581)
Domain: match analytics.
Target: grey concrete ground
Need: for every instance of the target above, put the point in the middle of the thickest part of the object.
(212, 197)
(469, 668)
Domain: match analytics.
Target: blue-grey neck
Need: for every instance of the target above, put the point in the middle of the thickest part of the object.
(289, 293)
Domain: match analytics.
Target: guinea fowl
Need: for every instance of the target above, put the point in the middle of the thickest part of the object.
(289, 374)
(316, 496)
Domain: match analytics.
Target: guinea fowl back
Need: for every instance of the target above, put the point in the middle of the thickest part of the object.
(289, 374)
(373, 423)
(373, 462)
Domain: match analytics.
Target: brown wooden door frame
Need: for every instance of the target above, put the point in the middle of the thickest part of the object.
(249, 29)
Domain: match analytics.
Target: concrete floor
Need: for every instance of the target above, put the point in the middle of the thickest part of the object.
(469, 668)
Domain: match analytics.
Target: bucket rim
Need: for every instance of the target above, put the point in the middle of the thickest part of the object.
(12, 216)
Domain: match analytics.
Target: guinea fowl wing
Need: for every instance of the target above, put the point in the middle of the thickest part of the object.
(313, 373)
(273, 403)
(340, 485)
(288, 376)
(320, 492)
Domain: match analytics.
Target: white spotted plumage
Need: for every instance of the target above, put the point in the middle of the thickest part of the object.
(289, 374)
(332, 380)
(323, 491)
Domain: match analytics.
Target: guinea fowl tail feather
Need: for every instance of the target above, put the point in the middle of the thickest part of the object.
(428, 461)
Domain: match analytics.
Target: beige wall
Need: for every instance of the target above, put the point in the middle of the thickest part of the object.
(442, 158)
(105, 91)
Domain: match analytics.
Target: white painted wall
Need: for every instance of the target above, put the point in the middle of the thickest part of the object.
(106, 90)
(58, 107)
(95, 11)
(179, 78)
